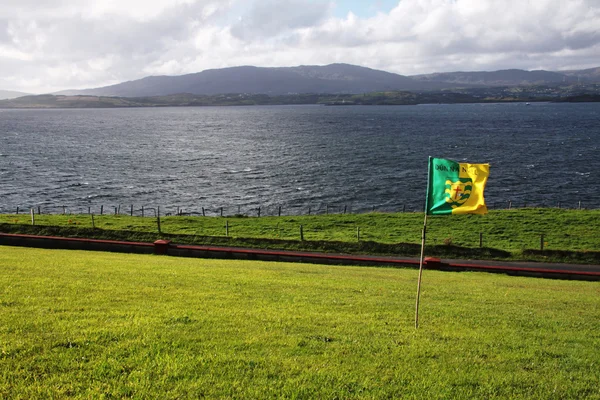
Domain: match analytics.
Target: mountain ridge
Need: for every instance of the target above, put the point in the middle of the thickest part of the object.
(505, 77)
(11, 94)
(332, 78)
(338, 78)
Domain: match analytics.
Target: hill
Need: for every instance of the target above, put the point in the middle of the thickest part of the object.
(11, 94)
(334, 78)
(52, 101)
(490, 94)
(591, 74)
(508, 77)
(330, 79)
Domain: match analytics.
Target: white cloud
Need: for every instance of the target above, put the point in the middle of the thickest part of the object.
(59, 44)
(270, 18)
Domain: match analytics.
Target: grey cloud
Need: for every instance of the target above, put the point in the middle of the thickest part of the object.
(70, 46)
(9, 66)
(272, 17)
(445, 31)
(581, 40)
(77, 45)
(4, 36)
(77, 37)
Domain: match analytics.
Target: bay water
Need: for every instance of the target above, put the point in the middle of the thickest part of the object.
(360, 158)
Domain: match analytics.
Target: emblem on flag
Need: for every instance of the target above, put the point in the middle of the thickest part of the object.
(457, 193)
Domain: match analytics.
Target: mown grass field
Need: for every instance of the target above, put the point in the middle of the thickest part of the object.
(511, 231)
(103, 325)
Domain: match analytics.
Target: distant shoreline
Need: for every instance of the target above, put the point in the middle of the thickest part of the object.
(392, 98)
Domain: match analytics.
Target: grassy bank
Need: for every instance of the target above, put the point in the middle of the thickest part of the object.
(102, 325)
(566, 235)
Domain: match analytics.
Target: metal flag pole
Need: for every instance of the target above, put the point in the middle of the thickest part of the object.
(420, 271)
(424, 232)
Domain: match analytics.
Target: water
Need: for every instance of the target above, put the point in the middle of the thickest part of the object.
(242, 158)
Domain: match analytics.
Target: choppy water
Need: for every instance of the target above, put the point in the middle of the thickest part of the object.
(242, 158)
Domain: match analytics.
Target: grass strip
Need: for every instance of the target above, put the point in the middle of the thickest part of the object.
(518, 234)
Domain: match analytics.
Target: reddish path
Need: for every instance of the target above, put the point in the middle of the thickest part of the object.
(546, 270)
(554, 270)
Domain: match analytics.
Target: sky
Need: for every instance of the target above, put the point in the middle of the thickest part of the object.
(51, 45)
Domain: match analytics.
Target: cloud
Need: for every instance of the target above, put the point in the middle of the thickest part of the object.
(469, 34)
(74, 45)
(270, 18)
(59, 44)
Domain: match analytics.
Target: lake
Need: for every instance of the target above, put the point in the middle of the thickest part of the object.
(241, 158)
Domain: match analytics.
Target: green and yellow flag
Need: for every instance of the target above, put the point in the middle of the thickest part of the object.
(456, 188)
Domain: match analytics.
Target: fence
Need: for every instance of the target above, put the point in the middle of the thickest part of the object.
(275, 210)
(575, 233)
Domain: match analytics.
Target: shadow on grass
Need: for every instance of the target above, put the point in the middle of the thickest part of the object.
(362, 247)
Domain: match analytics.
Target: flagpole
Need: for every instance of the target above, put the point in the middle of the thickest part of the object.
(423, 234)
(420, 270)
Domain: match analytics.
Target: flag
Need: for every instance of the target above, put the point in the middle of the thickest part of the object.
(456, 188)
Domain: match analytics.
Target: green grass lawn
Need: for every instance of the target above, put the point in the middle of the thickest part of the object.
(104, 325)
(511, 232)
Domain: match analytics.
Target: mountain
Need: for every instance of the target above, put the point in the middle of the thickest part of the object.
(591, 74)
(52, 101)
(330, 79)
(507, 77)
(333, 78)
(9, 94)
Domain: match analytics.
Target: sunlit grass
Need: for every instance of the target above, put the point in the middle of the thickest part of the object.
(102, 325)
(508, 230)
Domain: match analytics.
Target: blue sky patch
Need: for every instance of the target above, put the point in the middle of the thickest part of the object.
(363, 8)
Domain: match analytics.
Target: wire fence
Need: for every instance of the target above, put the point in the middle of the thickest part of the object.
(273, 210)
(237, 221)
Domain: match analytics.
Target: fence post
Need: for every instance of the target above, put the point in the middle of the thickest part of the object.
(32, 217)
(259, 212)
(158, 218)
(301, 234)
(280, 211)
(326, 208)
(177, 211)
(132, 210)
(39, 210)
(221, 211)
(142, 211)
(64, 210)
(542, 242)
(559, 204)
(358, 234)
(203, 213)
(116, 209)
(578, 207)
(403, 207)
(17, 210)
(226, 228)
(480, 239)
(93, 224)
(345, 209)
(101, 210)
(308, 210)
(509, 204)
